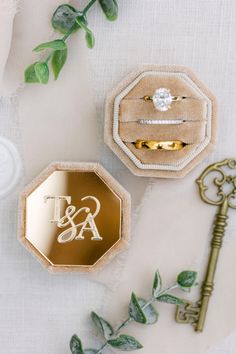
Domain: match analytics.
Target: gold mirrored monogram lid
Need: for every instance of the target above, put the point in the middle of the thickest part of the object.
(75, 216)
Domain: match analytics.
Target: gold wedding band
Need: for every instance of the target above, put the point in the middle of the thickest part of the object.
(172, 145)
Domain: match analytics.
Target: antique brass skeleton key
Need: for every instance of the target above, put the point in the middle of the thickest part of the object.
(226, 192)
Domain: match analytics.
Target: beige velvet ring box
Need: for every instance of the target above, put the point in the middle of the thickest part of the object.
(125, 107)
(74, 217)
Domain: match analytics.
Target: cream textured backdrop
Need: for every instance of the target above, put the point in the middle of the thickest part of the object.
(40, 312)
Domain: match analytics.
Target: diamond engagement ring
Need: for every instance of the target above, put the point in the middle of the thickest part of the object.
(162, 99)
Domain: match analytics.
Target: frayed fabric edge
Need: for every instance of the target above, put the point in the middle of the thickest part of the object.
(9, 6)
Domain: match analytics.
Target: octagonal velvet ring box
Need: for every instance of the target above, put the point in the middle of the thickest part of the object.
(197, 114)
(74, 217)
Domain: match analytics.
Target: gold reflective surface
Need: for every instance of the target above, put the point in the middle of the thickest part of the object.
(43, 232)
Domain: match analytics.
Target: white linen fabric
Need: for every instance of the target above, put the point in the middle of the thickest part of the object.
(226, 346)
(7, 11)
(34, 304)
(39, 312)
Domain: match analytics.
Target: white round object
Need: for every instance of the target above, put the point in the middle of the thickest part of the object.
(10, 166)
(162, 99)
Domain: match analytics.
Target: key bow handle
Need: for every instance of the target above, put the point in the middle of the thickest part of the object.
(225, 183)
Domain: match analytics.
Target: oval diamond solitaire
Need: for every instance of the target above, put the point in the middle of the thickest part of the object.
(162, 99)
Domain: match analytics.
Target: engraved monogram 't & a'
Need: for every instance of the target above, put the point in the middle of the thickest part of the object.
(68, 219)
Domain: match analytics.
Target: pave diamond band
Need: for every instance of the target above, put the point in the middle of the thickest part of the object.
(161, 121)
(162, 99)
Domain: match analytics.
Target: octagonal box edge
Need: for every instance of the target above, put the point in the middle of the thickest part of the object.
(108, 190)
(180, 166)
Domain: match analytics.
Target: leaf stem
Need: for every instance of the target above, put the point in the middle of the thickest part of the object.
(90, 4)
(68, 33)
(129, 319)
(153, 299)
(102, 347)
(171, 287)
(64, 38)
(148, 303)
(122, 325)
(49, 56)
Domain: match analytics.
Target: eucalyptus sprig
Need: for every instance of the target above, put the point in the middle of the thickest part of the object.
(141, 311)
(66, 20)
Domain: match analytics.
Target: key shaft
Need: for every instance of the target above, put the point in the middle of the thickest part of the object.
(208, 284)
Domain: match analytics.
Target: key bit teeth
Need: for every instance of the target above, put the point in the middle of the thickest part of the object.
(187, 313)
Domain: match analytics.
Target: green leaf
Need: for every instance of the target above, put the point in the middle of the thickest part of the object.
(103, 325)
(42, 72)
(110, 9)
(58, 44)
(58, 60)
(186, 290)
(64, 18)
(90, 39)
(170, 299)
(150, 312)
(90, 351)
(125, 343)
(187, 278)
(157, 284)
(30, 75)
(76, 345)
(135, 310)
